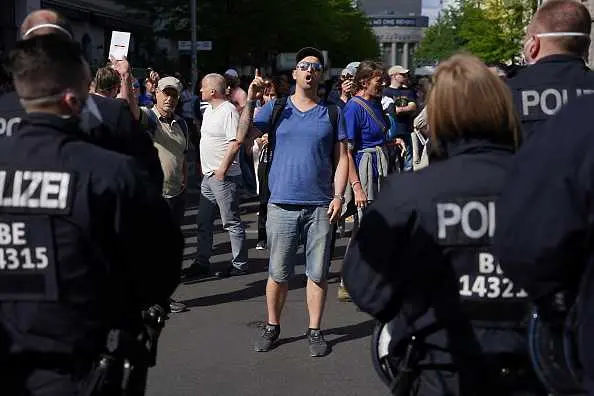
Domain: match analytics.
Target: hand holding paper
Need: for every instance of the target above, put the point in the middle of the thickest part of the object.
(120, 42)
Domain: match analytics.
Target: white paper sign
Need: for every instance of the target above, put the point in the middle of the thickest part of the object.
(120, 41)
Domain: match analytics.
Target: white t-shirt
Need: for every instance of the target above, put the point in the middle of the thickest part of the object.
(219, 127)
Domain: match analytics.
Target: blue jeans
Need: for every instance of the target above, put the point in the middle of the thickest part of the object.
(407, 165)
(285, 227)
(213, 193)
(398, 164)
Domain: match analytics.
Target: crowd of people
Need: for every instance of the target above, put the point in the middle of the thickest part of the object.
(459, 225)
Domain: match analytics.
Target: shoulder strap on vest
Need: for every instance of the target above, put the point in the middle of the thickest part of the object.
(184, 127)
(151, 119)
(277, 110)
(333, 114)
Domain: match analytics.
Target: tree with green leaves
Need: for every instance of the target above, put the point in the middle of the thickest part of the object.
(441, 39)
(253, 32)
(489, 29)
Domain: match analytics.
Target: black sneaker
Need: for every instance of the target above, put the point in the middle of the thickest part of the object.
(230, 272)
(261, 245)
(237, 272)
(267, 339)
(317, 345)
(176, 306)
(195, 271)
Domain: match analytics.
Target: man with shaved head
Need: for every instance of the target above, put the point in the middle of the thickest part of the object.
(108, 121)
(37, 23)
(78, 267)
(220, 167)
(556, 45)
(42, 22)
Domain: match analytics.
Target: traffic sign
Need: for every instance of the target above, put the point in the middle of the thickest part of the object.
(204, 45)
(186, 46)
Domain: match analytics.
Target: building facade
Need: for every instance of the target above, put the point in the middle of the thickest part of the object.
(398, 26)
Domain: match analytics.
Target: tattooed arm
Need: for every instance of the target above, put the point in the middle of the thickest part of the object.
(245, 128)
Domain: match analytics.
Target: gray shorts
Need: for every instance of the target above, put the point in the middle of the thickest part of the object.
(286, 226)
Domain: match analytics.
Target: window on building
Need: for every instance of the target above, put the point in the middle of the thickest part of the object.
(411, 52)
(400, 54)
(387, 53)
(87, 47)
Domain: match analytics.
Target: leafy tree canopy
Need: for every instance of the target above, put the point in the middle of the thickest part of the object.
(489, 29)
(252, 32)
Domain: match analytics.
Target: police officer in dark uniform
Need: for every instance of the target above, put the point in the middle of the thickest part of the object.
(556, 44)
(545, 221)
(86, 242)
(422, 258)
(10, 114)
(109, 122)
(37, 23)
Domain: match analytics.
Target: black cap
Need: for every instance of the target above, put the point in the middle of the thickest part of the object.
(309, 51)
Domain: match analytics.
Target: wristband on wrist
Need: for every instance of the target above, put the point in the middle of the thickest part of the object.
(355, 183)
(339, 197)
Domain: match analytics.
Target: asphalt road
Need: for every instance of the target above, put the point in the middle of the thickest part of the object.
(208, 350)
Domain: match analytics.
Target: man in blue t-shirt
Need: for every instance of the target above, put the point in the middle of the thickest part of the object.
(405, 106)
(307, 178)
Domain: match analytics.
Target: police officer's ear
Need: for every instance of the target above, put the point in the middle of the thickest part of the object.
(73, 102)
(531, 48)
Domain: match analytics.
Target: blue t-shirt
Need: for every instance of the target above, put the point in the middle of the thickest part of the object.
(362, 130)
(301, 172)
(146, 100)
(402, 97)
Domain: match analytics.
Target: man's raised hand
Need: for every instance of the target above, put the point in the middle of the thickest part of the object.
(256, 86)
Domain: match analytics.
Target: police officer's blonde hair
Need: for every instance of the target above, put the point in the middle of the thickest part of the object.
(468, 101)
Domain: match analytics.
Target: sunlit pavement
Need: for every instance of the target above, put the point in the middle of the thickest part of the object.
(208, 350)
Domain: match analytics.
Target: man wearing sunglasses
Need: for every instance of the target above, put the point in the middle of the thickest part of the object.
(556, 44)
(305, 194)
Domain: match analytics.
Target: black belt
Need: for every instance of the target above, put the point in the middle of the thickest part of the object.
(28, 361)
(497, 311)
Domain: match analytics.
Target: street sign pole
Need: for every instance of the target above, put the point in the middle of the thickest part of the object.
(193, 11)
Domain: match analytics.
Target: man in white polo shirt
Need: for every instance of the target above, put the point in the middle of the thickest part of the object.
(220, 167)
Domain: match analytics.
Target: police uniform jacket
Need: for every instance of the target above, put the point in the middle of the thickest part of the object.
(546, 219)
(86, 241)
(541, 90)
(115, 129)
(11, 113)
(422, 259)
(120, 132)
